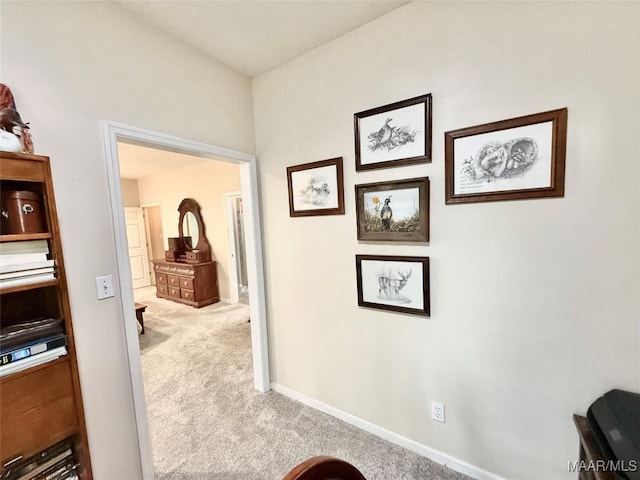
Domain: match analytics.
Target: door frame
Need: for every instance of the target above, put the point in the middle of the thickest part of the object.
(111, 133)
(233, 265)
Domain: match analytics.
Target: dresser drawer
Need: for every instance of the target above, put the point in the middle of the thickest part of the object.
(187, 294)
(162, 288)
(186, 282)
(161, 277)
(173, 280)
(174, 291)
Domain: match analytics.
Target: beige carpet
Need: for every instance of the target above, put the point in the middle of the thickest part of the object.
(208, 422)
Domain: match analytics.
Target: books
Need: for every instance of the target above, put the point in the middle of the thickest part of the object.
(24, 263)
(31, 348)
(32, 361)
(27, 280)
(37, 345)
(57, 462)
(23, 252)
(18, 267)
(25, 273)
(21, 334)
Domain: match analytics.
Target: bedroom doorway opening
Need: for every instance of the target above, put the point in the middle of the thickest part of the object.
(112, 134)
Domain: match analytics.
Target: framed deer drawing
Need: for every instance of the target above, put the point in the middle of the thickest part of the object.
(396, 283)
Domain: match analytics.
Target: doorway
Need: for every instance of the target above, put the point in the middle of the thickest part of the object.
(155, 237)
(238, 278)
(112, 133)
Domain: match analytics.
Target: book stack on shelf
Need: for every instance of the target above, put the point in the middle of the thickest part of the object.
(57, 462)
(24, 263)
(31, 343)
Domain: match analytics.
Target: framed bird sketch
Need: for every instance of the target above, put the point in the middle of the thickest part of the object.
(522, 157)
(394, 135)
(394, 283)
(396, 211)
(316, 188)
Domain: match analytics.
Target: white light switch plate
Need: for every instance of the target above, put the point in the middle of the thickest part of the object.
(104, 287)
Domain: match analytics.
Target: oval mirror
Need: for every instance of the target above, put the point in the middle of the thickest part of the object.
(190, 229)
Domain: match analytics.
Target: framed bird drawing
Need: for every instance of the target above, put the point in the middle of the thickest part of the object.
(316, 188)
(396, 211)
(394, 135)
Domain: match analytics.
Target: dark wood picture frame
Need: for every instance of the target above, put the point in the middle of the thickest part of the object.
(519, 158)
(396, 283)
(381, 144)
(403, 218)
(314, 185)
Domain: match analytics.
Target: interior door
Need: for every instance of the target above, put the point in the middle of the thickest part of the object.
(137, 240)
(155, 238)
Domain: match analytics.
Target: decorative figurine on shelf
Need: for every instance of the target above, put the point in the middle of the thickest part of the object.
(14, 133)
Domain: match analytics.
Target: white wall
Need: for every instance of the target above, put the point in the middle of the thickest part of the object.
(130, 193)
(70, 66)
(206, 183)
(534, 303)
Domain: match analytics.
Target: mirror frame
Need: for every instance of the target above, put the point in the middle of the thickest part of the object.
(190, 205)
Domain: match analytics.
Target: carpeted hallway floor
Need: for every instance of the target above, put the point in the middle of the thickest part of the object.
(207, 422)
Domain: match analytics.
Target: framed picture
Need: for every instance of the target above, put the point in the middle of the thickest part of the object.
(522, 157)
(316, 188)
(394, 135)
(393, 283)
(395, 211)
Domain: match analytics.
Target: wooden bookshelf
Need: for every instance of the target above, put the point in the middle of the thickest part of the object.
(40, 405)
(19, 237)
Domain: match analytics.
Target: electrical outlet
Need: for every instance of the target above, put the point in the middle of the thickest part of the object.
(104, 287)
(437, 411)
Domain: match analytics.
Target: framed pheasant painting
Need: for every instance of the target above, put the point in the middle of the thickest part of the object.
(316, 188)
(394, 135)
(396, 211)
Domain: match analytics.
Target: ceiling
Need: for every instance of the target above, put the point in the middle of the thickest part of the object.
(138, 161)
(252, 36)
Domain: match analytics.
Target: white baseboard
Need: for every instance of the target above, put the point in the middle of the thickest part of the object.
(423, 450)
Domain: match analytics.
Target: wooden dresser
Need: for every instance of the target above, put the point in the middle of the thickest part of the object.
(194, 284)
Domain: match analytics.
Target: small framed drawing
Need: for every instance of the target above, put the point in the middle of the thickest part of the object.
(512, 159)
(394, 283)
(393, 135)
(316, 188)
(395, 211)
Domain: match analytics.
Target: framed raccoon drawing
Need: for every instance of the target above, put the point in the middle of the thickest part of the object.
(511, 159)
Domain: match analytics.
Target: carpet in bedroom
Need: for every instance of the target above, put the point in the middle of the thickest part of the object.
(208, 422)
